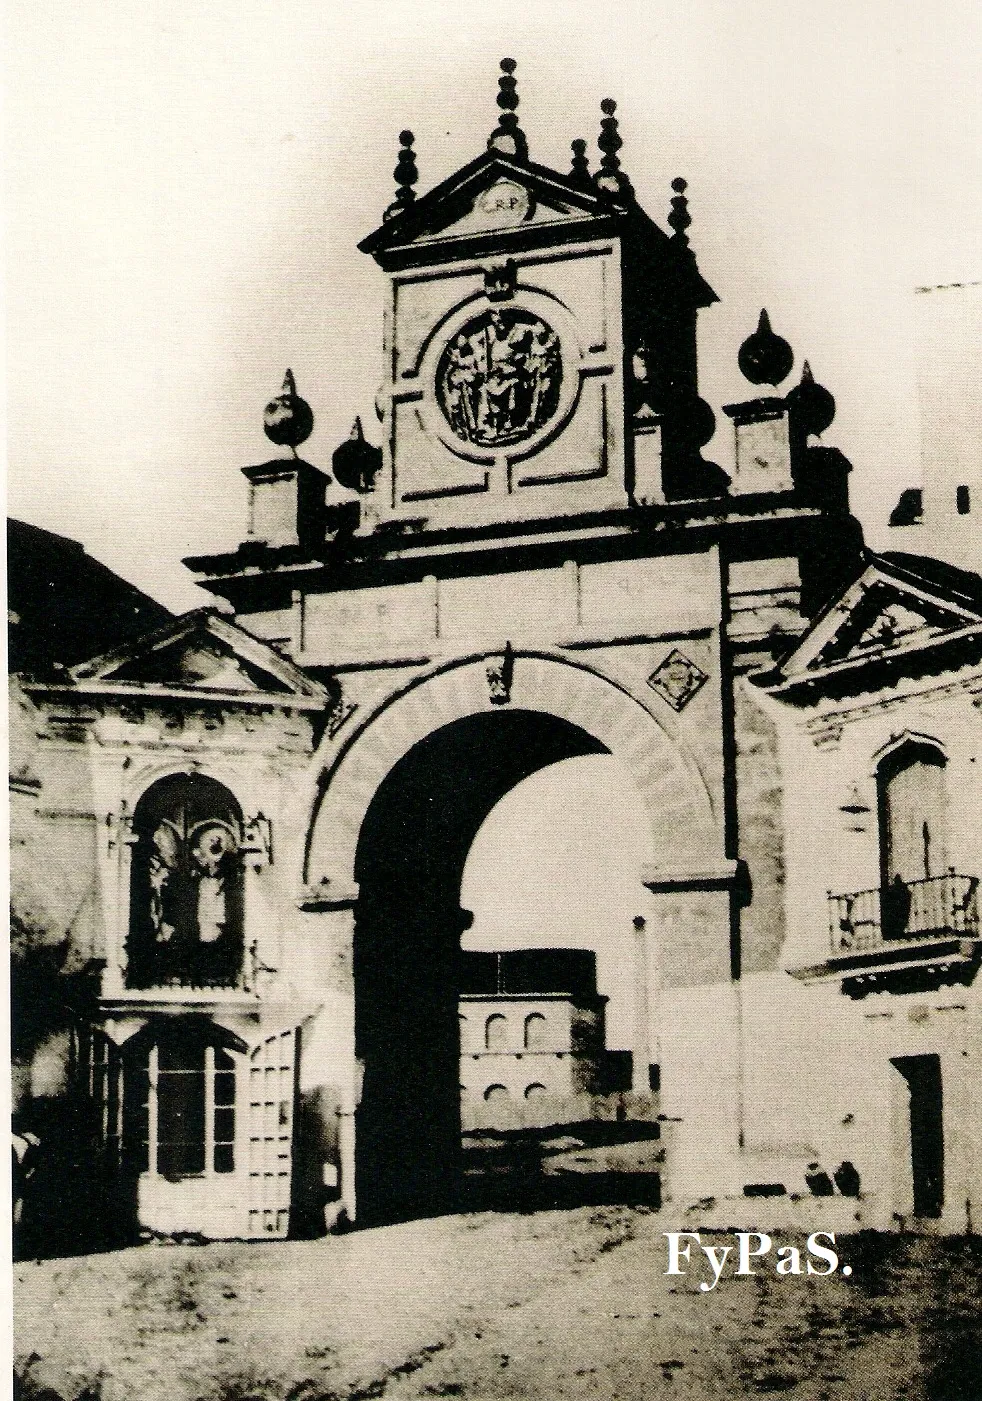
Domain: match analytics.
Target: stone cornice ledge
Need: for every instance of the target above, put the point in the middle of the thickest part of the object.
(328, 895)
(711, 874)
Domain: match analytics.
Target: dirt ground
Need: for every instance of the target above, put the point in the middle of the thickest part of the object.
(552, 1304)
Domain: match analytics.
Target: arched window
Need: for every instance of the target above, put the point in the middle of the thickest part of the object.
(496, 1094)
(496, 1032)
(535, 1091)
(186, 886)
(535, 1032)
(912, 809)
(179, 1110)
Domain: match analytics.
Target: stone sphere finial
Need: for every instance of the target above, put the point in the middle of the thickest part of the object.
(356, 462)
(405, 176)
(579, 173)
(288, 420)
(811, 405)
(679, 219)
(765, 358)
(610, 177)
(508, 137)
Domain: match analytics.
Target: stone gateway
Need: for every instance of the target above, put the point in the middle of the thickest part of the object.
(246, 828)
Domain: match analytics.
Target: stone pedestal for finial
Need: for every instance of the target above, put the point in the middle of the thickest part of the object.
(286, 502)
(763, 425)
(648, 486)
(286, 496)
(763, 445)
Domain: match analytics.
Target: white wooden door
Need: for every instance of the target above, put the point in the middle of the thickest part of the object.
(272, 1090)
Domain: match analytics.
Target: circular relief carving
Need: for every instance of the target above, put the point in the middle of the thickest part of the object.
(505, 202)
(499, 379)
(211, 843)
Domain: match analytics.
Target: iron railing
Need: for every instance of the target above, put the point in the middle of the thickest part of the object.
(939, 906)
(196, 968)
(184, 965)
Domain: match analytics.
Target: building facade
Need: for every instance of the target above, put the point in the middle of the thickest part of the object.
(532, 1038)
(940, 517)
(275, 806)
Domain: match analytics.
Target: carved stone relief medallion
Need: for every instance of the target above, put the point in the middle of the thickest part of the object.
(504, 203)
(499, 377)
(677, 679)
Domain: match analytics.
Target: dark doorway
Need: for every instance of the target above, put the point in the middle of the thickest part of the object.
(923, 1077)
(408, 922)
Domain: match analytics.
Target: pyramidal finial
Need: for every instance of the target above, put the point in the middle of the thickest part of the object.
(811, 405)
(508, 137)
(610, 177)
(579, 173)
(765, 358)
(680, 218)
(405, 176)
(356, 463)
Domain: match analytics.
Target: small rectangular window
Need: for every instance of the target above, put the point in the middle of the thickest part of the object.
(180, 1121)
(963, 500)
(136, 1117)
(180, 1108)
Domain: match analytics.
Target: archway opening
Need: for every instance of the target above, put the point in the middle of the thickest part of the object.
(411, 853)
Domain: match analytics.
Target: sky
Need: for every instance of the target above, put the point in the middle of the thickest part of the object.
(186, 184)
(557, 864)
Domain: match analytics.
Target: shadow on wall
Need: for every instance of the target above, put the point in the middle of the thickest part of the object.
(60, 1200)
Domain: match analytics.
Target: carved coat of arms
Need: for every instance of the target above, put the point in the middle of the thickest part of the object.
(498, 380)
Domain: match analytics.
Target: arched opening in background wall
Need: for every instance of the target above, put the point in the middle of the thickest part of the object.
(535, 1032)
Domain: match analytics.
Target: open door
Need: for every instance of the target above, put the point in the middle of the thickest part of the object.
(272, 1095)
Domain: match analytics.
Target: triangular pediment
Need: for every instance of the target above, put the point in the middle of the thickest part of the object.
(885, 617)
(201, 653)
(900, 607)
(493, 194)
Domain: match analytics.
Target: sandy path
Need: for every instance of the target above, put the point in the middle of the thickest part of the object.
(553, 1305)
(185, 1323)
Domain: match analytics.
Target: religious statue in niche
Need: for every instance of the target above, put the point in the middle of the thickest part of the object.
(186, 901)
(212, 847)
(189, 879)
(204, 865)
(498, 380)
(164, 863)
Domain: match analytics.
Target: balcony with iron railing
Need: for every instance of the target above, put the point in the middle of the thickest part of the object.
(938, 907)
(902, 937)
(196, 969)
